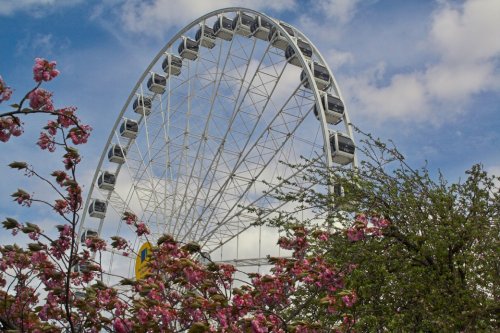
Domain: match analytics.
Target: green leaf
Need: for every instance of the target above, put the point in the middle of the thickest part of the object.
(35, 247)
(10, 223)
(18, 165)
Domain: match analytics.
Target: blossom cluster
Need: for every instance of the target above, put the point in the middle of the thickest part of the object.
(366, 225)
(9, 126)
(5, 91)
(44, 70)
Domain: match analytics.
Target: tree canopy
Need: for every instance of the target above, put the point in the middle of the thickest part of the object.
(426, 252)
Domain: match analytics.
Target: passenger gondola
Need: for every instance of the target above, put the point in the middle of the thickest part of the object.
(142, 105)
(116, 154)
(242, 24)
(97, 209)
(304, 48)
(157, 83)
(321, 77)
(334, 108)
(106, 181)
(223, 28)
(172, 64)
(81, 268)
(277, 39)
(260, 28)
(129, 128)
(342, 148)
(205, 37)
(188, 48)
(87, 234)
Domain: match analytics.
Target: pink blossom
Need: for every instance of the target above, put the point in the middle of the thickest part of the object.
(46, 142)
(120, 326)
(60, 176)
(95, 244)
(67, 116)
(259, 324)
(9, 126)
(23, 198)
(354, 234)
(5, 91)
(80, 135)
(41, 99)
(44, 70)
(51, 127)
(61, 206)
(350, 299)
(141, 229)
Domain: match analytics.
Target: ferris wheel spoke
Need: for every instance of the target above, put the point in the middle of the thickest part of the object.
(199, 158)
(244, 224)
(177, 208)
(259, 169)
(247, 147)
(222, 151)
(218, 157)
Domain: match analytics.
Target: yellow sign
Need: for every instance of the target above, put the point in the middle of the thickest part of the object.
(141, 260)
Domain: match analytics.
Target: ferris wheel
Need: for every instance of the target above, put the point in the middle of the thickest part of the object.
(213, 124)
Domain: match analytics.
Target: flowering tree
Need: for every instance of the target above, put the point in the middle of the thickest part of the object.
(53, 283)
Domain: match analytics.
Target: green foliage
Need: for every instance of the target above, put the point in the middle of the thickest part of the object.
(435, 268)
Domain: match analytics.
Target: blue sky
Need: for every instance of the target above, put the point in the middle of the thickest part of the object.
(422, 73)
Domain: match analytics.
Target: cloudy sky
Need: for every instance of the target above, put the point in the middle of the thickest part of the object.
(424, 73)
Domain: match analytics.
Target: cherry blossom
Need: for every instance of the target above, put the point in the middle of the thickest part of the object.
(44, 70)
(5, 91)
(41, 99)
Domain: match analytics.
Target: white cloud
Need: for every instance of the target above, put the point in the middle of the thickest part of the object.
(156, 17)
(336, 58)
(33, 7)
(467, 50)
(341, 10)
(468, 33)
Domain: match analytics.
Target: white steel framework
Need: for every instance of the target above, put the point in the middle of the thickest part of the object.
(216, 141)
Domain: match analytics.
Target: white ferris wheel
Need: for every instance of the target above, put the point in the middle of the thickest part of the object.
(205, 131)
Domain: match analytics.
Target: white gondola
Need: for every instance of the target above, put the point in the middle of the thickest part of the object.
(277, 39)
(106, 181)
(81, 268)
(260, 28)
(188, 48)
(334, 108)
(116, 154)
(205, 37)
(172, 64)
(157, 83)
(321, 76)
(97, 208)
(129, 128)
(242, 24)
(80, 295)
(142, 105)
(342, 148)
(304, 48)
(89, 233)
(223, 28)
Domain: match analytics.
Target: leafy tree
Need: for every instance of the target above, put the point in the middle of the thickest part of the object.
(426, 252)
